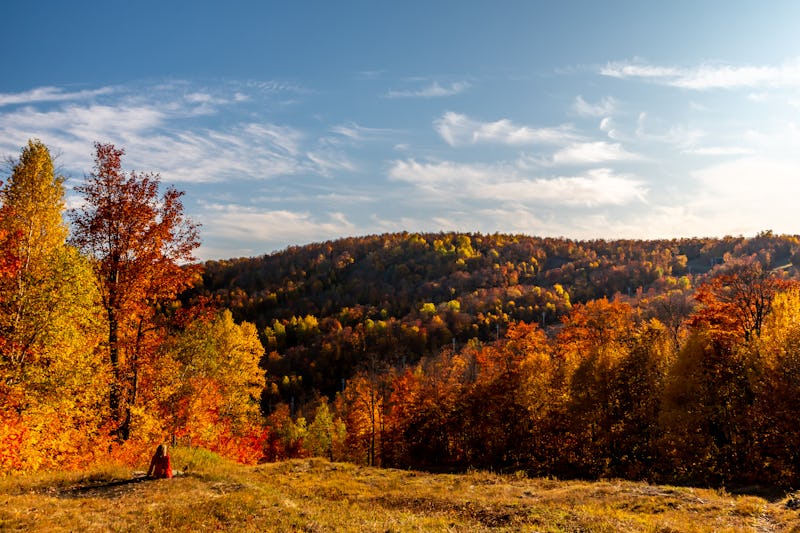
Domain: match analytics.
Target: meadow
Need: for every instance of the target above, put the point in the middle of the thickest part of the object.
(210, 493)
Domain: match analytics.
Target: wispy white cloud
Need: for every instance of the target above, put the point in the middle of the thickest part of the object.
(638, 69)
(160, 128)
(286, 138)
(237, 229)
(204, 103)
(276, 86)
(447, 173)
(506, 183)
(327, 162)
(433, 90)
(204, 98)
(708, 76)
(241, 152)
(370, 74)
(588, 153)
(244, 151)
(697, 106)
(607, 125)
(603, 108)
(678, 136)
(358, 133)
(50, 94)
(457, 130)
(72, 128)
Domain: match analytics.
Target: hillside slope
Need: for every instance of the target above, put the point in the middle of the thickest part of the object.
(315, 495)
(326, 309)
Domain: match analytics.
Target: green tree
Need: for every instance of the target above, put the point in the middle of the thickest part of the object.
(326, 433)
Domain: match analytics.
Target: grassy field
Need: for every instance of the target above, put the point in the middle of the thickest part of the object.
(314, 495)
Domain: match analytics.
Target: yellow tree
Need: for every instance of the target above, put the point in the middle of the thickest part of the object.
(422, 426)
(48, 316)
(207, 383)
(365, 400)
(35, 197)
(704, 408)
(541, 392)
(707, 417)
(776, 385)
(504, 406)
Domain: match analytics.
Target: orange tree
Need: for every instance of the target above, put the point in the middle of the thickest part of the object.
(506, 399)
(11, 434)
(139, 242)
(614, 370)
(736, 301)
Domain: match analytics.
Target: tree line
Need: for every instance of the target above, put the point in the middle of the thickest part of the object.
(612, 391)
(643, 359)
(97, 357)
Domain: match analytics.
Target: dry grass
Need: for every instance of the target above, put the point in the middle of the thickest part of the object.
(315, 495)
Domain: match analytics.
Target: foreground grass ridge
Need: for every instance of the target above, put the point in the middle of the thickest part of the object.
(317, 495)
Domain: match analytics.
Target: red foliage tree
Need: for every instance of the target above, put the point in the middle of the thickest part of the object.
(9, 265)
(9, 259)
(737, 301)
(139, 242)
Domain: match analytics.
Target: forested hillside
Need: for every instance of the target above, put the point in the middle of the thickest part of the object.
(398, 297)
(670, 359)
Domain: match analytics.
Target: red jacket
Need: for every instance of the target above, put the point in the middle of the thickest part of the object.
(160, 467)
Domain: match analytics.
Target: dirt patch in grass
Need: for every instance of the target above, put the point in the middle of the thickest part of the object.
(502, 515)
(222, 487)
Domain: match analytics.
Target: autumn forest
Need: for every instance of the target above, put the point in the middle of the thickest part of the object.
(666, 360)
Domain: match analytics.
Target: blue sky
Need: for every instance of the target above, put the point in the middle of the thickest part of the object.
(295, 122)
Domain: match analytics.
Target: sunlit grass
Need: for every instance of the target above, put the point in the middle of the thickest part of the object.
(211, 493)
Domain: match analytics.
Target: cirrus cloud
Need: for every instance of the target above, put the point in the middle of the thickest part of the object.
(433, 90)
(458, 129)
(160, 128)
(50, 94)
(708, 76)
(236, 228)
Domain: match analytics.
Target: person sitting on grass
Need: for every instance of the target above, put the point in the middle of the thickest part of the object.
(160, 465)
